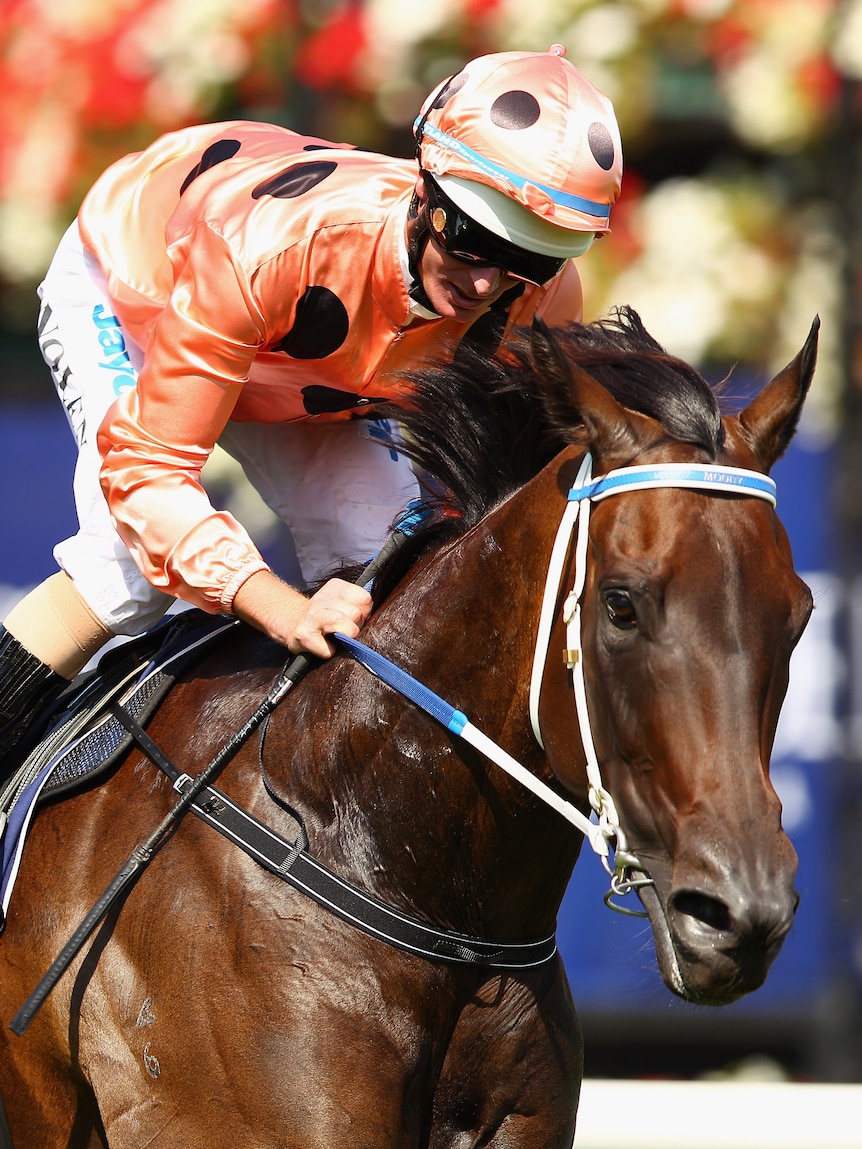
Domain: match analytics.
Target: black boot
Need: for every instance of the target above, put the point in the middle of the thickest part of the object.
(26, 685)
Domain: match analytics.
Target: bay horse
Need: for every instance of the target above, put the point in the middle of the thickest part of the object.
(216, 1006)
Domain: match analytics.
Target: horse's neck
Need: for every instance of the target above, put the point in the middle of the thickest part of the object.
(418, 803)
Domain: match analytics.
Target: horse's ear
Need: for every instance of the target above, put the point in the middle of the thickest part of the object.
(570, 390)
(769, 421)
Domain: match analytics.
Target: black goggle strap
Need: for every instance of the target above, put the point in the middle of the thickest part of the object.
(418, 236)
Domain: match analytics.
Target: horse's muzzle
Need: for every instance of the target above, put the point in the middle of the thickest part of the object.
(715, 946)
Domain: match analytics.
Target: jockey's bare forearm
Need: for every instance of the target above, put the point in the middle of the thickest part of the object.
(299, 622)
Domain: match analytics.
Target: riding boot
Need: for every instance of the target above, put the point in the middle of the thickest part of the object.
(26, 685)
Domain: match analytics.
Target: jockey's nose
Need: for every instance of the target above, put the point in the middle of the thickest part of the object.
(486, 278)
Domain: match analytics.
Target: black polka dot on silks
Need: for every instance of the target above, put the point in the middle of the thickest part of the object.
(319, 400)
(601, 145)
(296, 180)
(515, 110)
(320, 325)
(215, 154)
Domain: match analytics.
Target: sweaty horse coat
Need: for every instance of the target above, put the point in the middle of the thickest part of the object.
(218, 1007)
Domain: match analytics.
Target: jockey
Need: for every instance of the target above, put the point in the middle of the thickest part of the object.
(241, 284)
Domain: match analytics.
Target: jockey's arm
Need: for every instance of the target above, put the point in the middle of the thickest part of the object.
(298, 622)
(154, 442)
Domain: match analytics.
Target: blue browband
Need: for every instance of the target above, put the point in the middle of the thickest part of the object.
(729, 480)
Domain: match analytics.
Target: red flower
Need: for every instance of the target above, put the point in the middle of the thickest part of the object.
(328, 57)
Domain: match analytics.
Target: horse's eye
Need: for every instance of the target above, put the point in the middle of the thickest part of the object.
(621, 610)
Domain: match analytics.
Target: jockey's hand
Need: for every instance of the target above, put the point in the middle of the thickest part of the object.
(299, 622)
(337, 606)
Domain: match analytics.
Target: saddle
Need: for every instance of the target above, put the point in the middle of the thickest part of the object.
(81, 740)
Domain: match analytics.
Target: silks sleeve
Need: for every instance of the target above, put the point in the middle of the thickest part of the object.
(155, 439)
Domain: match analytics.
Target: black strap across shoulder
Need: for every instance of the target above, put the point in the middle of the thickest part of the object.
(5, 1135)
(291, 862)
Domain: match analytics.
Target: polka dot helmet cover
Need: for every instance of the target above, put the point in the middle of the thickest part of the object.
(512, 113)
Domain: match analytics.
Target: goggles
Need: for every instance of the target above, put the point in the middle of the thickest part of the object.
(469, 242)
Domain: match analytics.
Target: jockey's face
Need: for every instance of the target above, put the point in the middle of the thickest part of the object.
(458, 290)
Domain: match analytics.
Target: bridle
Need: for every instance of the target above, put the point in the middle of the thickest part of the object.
(626, 872)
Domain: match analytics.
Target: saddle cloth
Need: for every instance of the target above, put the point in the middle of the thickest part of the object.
(82, 741)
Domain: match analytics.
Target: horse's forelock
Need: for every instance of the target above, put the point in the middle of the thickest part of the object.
(480, 428)
(621, 355)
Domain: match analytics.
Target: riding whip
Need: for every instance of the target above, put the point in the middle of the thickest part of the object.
(139, 859)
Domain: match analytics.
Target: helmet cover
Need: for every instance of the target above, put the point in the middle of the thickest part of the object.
(531, 126)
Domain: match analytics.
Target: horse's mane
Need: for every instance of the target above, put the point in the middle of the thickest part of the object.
(479, 428)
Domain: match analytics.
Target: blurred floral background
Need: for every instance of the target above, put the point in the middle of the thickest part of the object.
(741, 218)
(729, 234)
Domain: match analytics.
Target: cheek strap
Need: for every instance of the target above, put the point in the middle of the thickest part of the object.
(418, 234)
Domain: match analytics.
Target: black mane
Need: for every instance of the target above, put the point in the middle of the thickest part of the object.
(479, 428)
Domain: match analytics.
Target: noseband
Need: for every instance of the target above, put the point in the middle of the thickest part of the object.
(626, 873)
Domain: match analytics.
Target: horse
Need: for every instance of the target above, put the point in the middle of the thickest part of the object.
(215, 1005)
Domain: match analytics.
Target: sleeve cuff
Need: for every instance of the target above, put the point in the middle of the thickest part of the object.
(249, 568)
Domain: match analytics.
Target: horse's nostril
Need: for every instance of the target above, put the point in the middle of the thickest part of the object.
(705, 909)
